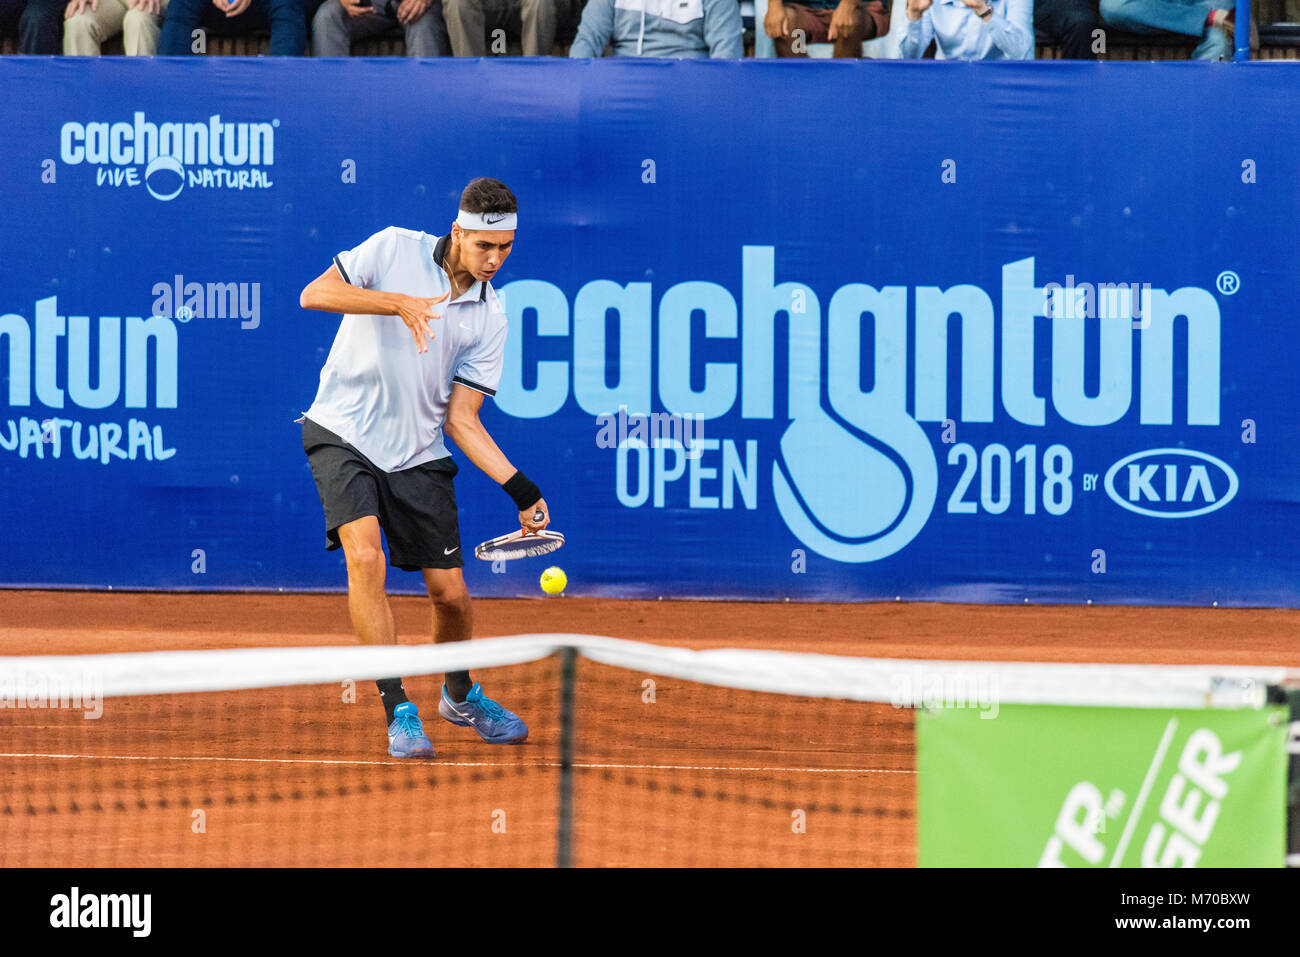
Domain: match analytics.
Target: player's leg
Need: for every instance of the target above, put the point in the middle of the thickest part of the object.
(463, 702)
(453, 619)
(372, 620)
(420, 518)
(372, 616)
(348, 485)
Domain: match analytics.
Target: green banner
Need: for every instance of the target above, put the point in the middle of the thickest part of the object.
(1047, 786)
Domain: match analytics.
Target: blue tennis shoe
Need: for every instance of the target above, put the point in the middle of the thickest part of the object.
(493, 723)
(406, 734)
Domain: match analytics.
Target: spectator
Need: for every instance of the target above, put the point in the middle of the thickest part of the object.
(286, 18)
(845, 23)
(533, 22)
(685, 29)
(970, 29)
(340, 23)
(1070, 24)
(1194, 19)
(90, 22)
(36, 23)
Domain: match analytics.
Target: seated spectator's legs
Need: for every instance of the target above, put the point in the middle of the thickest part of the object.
(877, 19)
(813, 24)
(334, 30)
(468, 23)
(427, 36)
(466, 27)
(540, 19)
(40, 28)
(1070, 22)
(1214, 45)
(331, 29)
(85, 31)
(288, 26)
(1188, 17)
(183, 17)
(1149, 16)
(140, 30)
(287, 20)
(10, 12)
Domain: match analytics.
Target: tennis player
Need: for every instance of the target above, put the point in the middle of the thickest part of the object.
(420, 345)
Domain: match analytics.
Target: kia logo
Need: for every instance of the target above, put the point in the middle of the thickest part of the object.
(1171, 483)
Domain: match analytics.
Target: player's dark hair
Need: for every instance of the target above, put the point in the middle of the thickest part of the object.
(487, 195)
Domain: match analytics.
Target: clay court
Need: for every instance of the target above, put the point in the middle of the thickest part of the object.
(689, 775)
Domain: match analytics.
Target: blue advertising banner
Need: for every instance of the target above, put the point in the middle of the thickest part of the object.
(844, 331)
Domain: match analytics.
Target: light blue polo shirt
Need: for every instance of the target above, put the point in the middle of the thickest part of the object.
(379, 393)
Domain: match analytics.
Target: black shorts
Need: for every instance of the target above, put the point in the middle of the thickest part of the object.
(416, 507)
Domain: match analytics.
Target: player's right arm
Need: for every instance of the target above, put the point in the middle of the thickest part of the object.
(464, 427)
(329, 292)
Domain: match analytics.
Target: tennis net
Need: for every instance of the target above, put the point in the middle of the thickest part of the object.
(638, 755)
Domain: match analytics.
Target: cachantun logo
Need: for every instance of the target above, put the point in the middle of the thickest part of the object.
(166, 157)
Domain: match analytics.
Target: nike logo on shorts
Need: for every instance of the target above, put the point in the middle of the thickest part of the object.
(448, 551)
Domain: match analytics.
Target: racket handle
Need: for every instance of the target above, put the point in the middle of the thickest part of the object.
(538, 515)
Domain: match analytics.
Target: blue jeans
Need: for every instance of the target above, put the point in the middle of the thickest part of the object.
(38, 23)
(1069, 23)
(1174, 16)
(287, 20)
(334, 31)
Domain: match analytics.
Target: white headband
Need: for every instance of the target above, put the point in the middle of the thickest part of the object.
(493, 221)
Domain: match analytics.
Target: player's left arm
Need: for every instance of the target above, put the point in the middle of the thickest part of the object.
(464, 427)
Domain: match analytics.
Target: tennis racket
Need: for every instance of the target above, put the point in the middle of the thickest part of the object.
(520, 543)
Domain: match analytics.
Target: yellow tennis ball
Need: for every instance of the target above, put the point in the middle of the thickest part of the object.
(554, 580)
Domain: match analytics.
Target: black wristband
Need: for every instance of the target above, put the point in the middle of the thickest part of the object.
(522, 489)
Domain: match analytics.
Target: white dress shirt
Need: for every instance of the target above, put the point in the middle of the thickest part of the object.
(1007, 35)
